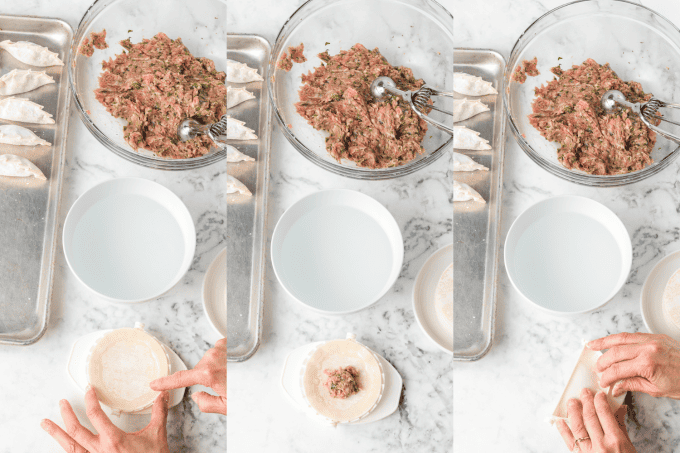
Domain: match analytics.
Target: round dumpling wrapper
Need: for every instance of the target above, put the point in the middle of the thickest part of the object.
(121, 366)
(333, 355)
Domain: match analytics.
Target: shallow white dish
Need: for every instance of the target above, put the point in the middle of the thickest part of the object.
(651, 296)
(215, 293)
(423, 298)
(568, 255)
(294, 367)
(337, 251)
(129, 240)
(77, 369)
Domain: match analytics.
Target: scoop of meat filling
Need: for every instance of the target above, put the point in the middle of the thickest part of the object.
(342, 383)
(156, 84)
(527, 68)
(568, 111)
(86, 47)
(99, 39)
(336, 98)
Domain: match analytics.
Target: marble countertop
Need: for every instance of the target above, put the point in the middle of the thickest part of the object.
(34, 378)
(501, 401)
(261, 418)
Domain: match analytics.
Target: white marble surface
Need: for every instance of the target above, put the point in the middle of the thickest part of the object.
(34, 378)
(261, 418)
(501, 401)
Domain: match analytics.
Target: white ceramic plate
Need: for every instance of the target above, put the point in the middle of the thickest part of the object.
(78, 364)
(215, 293)
(294, 368)
(337, 251)
(568, 255)
(129, 240)
(652, 292)
(423, 297)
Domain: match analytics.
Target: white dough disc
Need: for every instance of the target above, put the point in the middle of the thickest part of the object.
(121, 366)
(333, 355)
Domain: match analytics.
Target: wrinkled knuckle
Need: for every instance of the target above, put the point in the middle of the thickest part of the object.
(655, 348)
(74, 431)
(72, 447)
(91, 413)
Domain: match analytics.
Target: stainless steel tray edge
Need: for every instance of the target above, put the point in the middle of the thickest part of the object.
(258, 271)
(493, 252)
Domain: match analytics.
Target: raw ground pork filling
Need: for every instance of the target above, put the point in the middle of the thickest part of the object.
(342, 383)
(336, 98)
(156, 84)
(568, 111)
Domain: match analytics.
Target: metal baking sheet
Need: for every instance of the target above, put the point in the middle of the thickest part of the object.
(29, 207)
(247, 216)
(477, 226)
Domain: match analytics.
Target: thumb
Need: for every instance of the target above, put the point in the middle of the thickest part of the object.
(159, 414)
(634, 384)
(210, 404)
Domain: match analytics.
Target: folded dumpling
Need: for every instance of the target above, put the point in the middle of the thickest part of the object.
(461, 162)
(22, 80)
(463, 192)
(241, 73)
(23, 110)
(237, 95)
(11, 165)
(464, 138)
(236, 130)
(17, 135)
(30, 53)
(471, 85)
(234, 155)
(585, 375)
(236, 186)
(464, 109)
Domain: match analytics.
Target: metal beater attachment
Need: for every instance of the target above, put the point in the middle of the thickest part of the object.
(647, 111)
(190, 128)
(418, 100)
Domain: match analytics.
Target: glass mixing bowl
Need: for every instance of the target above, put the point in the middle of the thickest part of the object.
(200, 24)
(414, 33)
(639, 44)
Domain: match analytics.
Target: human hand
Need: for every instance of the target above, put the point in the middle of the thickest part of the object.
(110, 439)
(592, 420)
(639, 362)
(211, 372)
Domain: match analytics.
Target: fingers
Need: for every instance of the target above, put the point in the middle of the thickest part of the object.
(566, 434)
(64, 440)
(575, 412)
(180, 379)
(221, 344)
(610, 425)
(96, 415)
(635, 384)
(621, 370)
(617, 340)
(159, 414)
(210, 404)
(615, 355)
(590, 418)
(74, 429)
